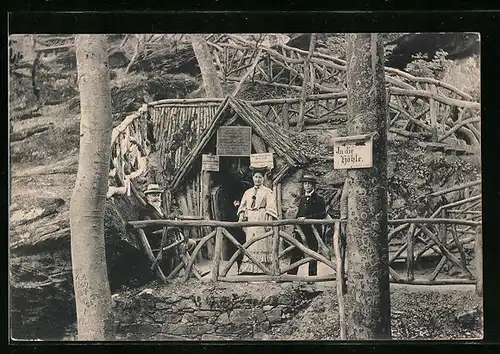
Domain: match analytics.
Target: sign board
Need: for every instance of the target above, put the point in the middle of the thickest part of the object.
(353, 152)
(210, 162)
(234, 141)
(262, 160)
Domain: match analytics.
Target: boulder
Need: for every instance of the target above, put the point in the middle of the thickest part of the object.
(41, 278)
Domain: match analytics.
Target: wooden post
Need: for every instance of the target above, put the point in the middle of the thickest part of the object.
(306, 79)
(409, 253)
(478, 251)
(258, 144)
(279, 206)
(279, 202)
(467, 192)
(340, 280)
(286, 119)
(442, 227)
(454, 234)
(249, 72)
(219, 238)
(433, 114)
(275, 255)
(205, 203)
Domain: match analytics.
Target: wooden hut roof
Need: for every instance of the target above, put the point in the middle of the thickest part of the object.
(276, 137)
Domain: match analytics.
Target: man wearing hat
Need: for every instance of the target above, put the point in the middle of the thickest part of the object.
(311, 206)
(158, 239)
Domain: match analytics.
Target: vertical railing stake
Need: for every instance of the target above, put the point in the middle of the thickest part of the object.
(217, 254)
(443, 236)
(340, 281)
(409, 253)
(275, 254)
(478, 252)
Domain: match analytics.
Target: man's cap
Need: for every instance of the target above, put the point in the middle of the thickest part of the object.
(153, 188)
(309, 178)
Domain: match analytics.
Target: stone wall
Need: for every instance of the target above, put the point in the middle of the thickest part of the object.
(209, 311)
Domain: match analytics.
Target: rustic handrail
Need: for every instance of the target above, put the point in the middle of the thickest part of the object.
(217, 223)
(340, 64)
(435, 221)
(455, 188)
(442, 248)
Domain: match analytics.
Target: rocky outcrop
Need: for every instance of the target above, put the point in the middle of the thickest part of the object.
(457, 45)
(41, 277)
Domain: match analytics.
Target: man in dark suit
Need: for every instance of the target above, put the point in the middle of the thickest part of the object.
(311, 206)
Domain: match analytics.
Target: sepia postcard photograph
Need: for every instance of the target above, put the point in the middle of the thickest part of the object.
(245, 187)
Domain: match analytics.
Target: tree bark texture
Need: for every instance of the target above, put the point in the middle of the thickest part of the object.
(368, 293)
(90, 278)
(211, 81)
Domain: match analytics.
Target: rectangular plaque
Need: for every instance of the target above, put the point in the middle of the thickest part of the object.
(234, 141)
(262, 160)
(210, 162)
(353, 152)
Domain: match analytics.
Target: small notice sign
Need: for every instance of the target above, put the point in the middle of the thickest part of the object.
(353, 152)
(210, 162)
(262, 160)
(234, 141)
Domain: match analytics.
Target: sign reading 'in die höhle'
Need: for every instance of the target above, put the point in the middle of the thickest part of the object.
(234, 141)
(353, 152)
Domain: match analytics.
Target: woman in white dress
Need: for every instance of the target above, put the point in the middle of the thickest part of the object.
(257, 204)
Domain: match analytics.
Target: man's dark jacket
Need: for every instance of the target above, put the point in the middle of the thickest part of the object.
(312, 207)
(149, 212)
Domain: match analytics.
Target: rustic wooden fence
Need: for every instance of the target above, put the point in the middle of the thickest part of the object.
(420, 107)
(219, 232)
(443, 233)
(421, 234)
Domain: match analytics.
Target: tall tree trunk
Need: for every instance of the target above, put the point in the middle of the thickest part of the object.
(368, 293)
(211, 82)
(90, 279)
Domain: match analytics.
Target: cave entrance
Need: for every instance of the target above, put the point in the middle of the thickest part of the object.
(229, 184)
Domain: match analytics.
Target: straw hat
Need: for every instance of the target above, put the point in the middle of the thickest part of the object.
(309, 178)
(153, 188)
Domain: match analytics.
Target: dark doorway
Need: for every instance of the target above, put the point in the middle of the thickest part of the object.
(232, 180)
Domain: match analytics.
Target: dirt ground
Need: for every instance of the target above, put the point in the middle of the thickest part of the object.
(417, 313)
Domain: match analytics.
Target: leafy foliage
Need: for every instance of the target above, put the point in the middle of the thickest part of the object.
(414, 172)
(434, 68)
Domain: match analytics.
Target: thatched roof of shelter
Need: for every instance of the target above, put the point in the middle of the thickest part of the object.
(275, 136)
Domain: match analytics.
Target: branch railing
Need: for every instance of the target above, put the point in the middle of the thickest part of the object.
(421, 235)
(420, 107)
(277, 271)
(445, 234)
(423, 238)
(130, 148)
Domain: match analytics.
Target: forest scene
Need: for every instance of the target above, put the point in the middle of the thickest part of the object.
(298, 94)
